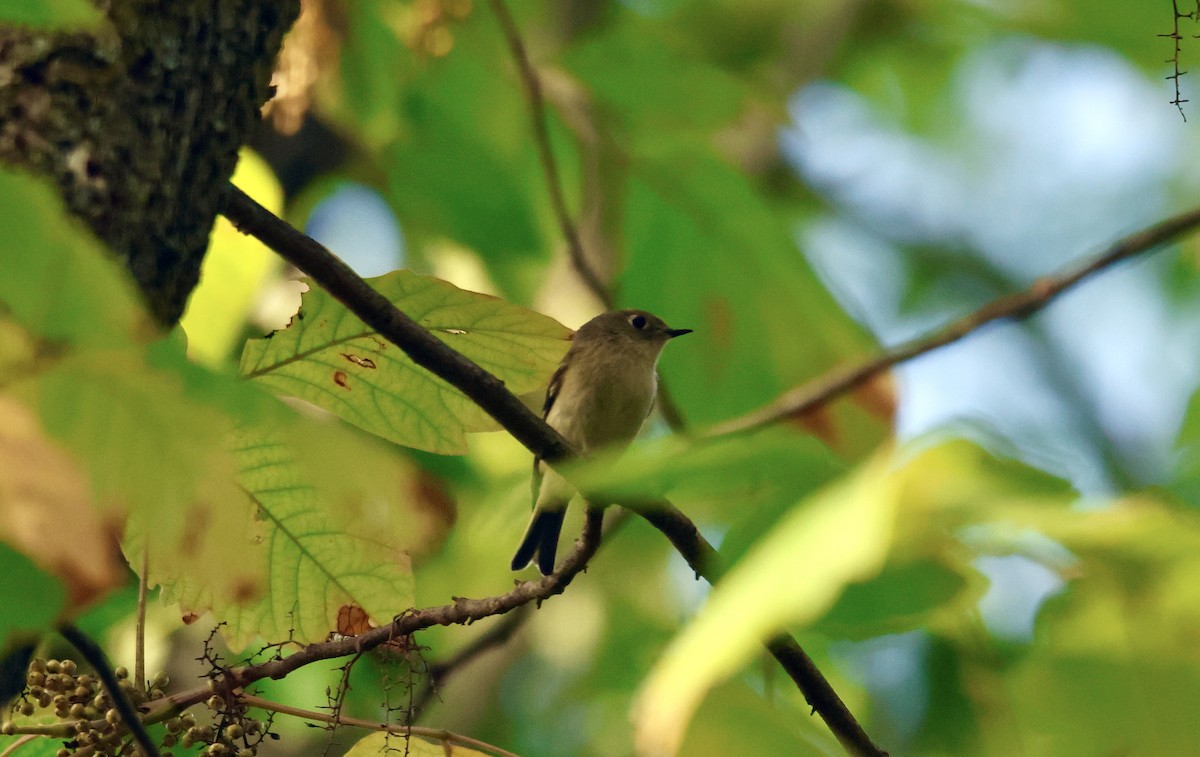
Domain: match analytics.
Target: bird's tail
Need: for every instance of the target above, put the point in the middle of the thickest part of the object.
(540, 540)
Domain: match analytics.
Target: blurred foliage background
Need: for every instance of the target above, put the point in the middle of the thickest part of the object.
(1005, 561)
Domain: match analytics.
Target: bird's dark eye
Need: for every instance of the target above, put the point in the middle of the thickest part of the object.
(638, 321)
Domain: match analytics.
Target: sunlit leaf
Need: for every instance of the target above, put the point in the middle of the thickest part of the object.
(234, 270)
(333, 524)
(309, 518)
(143, 443)
(330, 358)
(839, 535)
(1124, 624)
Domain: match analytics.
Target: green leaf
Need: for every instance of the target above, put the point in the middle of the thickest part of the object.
(49, 13)
(1185, 480)
(1118, 642)
(317, 553)
(373, 60)
(763, 727)
(755, 472)
(705, 252)
(144, 444)
(33, 598)
(652, 84)
(464, 167)
(330, 358)
(58, 282)
(900, 598)
(310, 518)
(839, 535)
(42, 747)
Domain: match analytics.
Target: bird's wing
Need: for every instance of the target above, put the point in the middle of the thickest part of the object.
(551, 395)
(552, 390)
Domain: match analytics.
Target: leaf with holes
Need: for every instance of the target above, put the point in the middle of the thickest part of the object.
(327, 356)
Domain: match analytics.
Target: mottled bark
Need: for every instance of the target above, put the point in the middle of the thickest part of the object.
(139, 122)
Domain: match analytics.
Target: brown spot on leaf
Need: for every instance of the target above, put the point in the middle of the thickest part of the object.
(430, 496)
(189, 617)
(341, 379)
(198, 519)
(364, 362)
(246, 591)
(382, 345)
(353, 620)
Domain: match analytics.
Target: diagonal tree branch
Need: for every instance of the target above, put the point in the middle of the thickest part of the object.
(489, 393)
(376, 311)
(1018, 306)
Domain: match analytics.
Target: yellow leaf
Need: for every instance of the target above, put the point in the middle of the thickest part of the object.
(234, 270)
(839, 535)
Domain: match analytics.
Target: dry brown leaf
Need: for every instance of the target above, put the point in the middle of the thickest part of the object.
(47, 510)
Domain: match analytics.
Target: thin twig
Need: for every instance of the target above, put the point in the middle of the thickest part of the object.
(488, 393)
(338, 699)
(437, 734)
(139, 651)
(460, 612)
(541, 137)
(95, 657)
(1016, 306)
(1174, 59)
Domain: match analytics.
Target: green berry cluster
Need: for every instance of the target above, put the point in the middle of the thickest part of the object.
(230, 734)
(80, 700)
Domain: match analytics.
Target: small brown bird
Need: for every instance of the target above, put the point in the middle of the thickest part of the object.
(598, 397)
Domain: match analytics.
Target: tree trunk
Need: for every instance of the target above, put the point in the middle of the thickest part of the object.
(139, 122)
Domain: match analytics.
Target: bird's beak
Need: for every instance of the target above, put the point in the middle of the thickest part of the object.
(677, 332)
